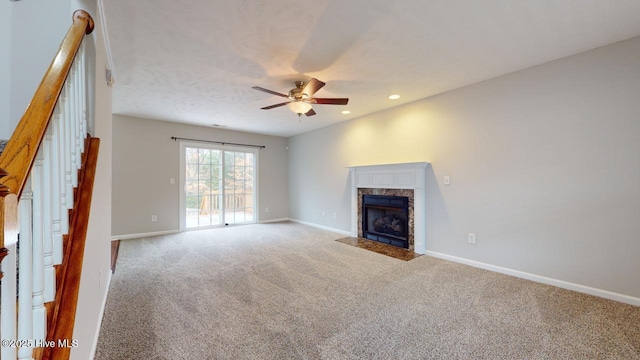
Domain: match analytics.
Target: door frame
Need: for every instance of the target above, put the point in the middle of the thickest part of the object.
(223, 148)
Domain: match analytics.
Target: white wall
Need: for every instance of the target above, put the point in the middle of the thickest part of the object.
(145, 158)
(96, 270)
(543, 162)
(5, 69)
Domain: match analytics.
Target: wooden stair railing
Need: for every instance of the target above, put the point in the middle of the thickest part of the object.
(38, 176)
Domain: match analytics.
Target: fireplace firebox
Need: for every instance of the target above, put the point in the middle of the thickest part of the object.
(386, 219)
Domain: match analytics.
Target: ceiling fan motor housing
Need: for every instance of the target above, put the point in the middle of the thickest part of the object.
(296, 93)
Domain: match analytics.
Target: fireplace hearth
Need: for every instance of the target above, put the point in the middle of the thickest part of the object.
(386, 219)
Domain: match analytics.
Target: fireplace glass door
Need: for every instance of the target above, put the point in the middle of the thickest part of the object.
(386, 219)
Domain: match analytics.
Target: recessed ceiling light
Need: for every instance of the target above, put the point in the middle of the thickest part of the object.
(394, 97)
(346, 112)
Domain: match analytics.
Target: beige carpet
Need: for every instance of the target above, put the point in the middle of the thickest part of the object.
(288, 291)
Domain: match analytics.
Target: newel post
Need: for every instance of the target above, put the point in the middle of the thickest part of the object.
(84, 16)
(8, 218)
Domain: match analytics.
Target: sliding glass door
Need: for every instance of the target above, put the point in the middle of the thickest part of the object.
(219, 186)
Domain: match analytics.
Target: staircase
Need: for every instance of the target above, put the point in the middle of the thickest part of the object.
(47, 171)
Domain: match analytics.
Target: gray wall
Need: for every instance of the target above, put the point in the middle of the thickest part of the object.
(33, 49)
(26, 52)
(5, 69)
(145, 158)
(544, 164)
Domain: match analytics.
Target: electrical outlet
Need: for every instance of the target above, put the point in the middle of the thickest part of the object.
(154, 218)
(472, 238)
(172, 181)
(335, 216)
(266, 209)
(323, 214)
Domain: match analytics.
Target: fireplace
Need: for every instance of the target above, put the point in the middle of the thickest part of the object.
(406, 181)
(391, 211)
(386, 219)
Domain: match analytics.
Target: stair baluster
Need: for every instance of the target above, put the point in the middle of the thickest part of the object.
(25, 286)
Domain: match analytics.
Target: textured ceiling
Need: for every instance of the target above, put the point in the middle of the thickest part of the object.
(195, 61)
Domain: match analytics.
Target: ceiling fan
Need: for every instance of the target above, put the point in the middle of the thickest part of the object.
(302, 97)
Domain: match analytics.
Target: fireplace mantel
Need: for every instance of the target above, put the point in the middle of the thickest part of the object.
(393, 176)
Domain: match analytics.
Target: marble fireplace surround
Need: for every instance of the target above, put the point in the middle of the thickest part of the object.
(383, 179)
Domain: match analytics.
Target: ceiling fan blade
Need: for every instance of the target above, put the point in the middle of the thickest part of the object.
(310, 113)
(312, 86)
(269, 91)
(274, 106)
(331, 101)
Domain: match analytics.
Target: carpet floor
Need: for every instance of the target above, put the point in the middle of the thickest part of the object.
(289, 291)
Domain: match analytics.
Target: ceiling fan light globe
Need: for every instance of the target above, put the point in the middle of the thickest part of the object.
(299, 107)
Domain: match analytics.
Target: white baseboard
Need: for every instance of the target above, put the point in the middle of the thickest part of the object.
(94, 347)
(141, 235)
(341, 232)
(273, 220)
(541, 279)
